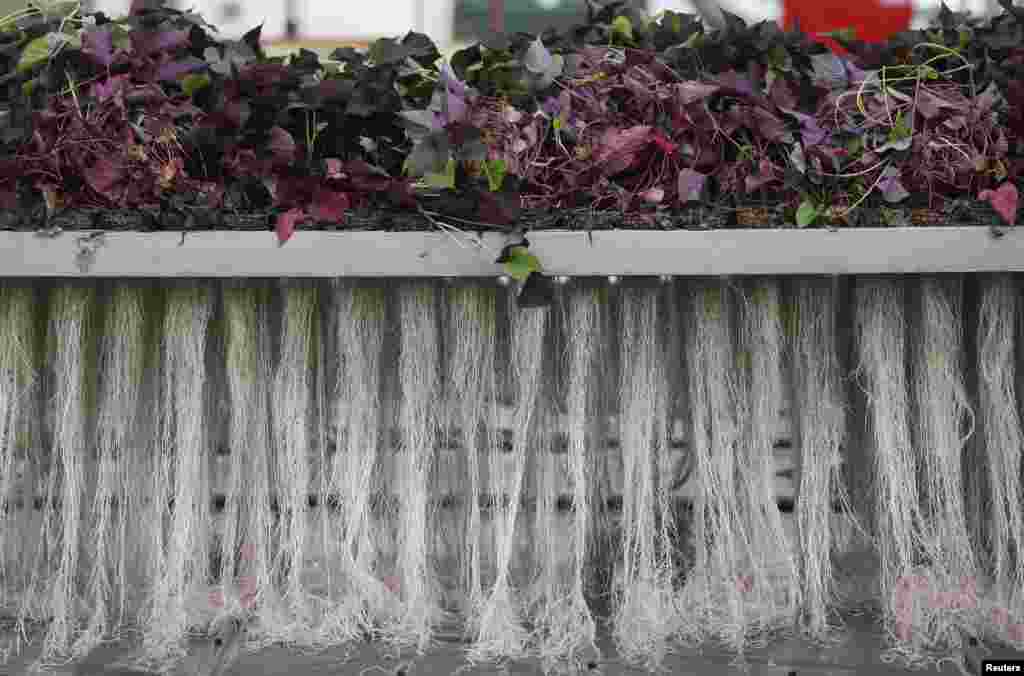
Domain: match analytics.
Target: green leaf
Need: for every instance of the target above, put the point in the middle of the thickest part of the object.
(122, 38)
(495, 170)
(34, 53)
(900, 129)
(806, 214)
(28, 87)
(442, 180)
(622, 27)
(521, 263)
(193, 82)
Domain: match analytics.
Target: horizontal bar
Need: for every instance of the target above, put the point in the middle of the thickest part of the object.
(569, 253)
(380, 502)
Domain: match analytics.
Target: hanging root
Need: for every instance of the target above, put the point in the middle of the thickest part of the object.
(245, 546)
(881, 340)
(180, 487)
(360, 328)
(69, 332)
(711, 603)
(291, 407)
(771, 583)
(501, 632)
(566, 628)
(644, 616)
(122, 364)
(471, 335)
(935, 620)
(18, 383)
(821, 424)
(1003, 440)
(419, 422)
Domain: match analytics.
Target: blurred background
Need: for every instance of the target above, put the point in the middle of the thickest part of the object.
(451, 23)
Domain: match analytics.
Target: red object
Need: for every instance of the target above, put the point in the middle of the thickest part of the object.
(870, 20)
(286, 224)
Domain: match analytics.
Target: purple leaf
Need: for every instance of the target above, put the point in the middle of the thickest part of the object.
(730, 79)
(452, 83)
(538, 59)
(109, 88)
(171, 39)
(447, 108)
(551, 106)
(1004, 200)
(691, 185)
(891, 186)
(810, 130)
(172, 70)
(146, 42)
(98, 43)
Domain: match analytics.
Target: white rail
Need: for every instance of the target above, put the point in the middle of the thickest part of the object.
(573, 253)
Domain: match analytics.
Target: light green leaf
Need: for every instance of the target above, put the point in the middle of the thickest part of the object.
(34, 53)
(521, 263)
(806, 214)
(622, 27)
(442, 180)
(193, 82)
(495, 170)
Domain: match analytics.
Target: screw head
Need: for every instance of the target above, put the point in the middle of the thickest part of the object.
(504, 280)
(613, 279)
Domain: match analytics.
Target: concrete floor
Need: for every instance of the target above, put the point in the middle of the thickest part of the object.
(860, 653)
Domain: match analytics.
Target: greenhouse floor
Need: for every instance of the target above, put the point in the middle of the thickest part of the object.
(861, 653)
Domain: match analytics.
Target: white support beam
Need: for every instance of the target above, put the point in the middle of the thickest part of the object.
(573, 253)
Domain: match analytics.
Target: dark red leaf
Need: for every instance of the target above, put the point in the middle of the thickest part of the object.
(103, 175)
(666, 146)
(281, 145)
(618, 147)
(286, 222)
(8, 196)
(333, 167)
(329, 205)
